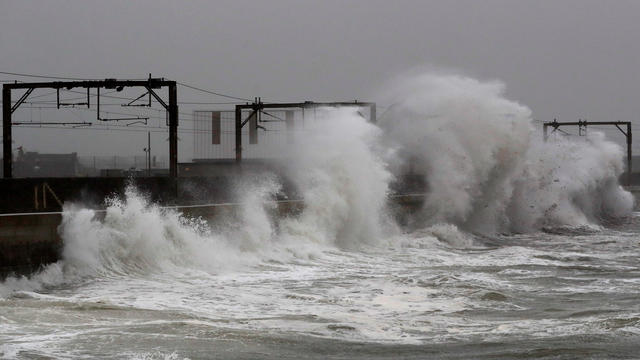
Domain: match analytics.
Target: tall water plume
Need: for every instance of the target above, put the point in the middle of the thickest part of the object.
(135, 236)
(485, 165)
(341, 175)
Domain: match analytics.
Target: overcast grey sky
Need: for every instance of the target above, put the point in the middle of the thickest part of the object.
(564, 59)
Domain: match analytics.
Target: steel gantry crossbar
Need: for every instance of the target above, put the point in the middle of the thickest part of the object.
(149, 84)
(582, 124)
(258, 107)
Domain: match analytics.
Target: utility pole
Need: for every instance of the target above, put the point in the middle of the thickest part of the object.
(6, 132)
(148, 153)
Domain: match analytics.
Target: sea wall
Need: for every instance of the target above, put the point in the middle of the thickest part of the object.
(31, 240)
(28, 241)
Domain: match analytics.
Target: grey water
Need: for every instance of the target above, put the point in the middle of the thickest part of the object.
(565, 294)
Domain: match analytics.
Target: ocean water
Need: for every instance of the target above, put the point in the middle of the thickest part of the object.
(430, 293)
(522, 249)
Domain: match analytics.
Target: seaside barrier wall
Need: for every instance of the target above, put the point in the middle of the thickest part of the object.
(29, 241)
(25, 195)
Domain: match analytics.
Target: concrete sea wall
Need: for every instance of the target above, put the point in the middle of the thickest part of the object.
(30, 240)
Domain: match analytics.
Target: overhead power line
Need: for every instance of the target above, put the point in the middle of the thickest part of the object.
(75, 78)
(213, 92)
(31, 106)
(44, 76)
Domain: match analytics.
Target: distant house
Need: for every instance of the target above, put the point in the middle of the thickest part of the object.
(34, 164)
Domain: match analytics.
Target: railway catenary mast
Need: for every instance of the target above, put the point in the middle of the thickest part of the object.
(150, 84)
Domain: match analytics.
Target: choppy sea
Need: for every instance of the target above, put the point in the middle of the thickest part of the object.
(435, 292)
